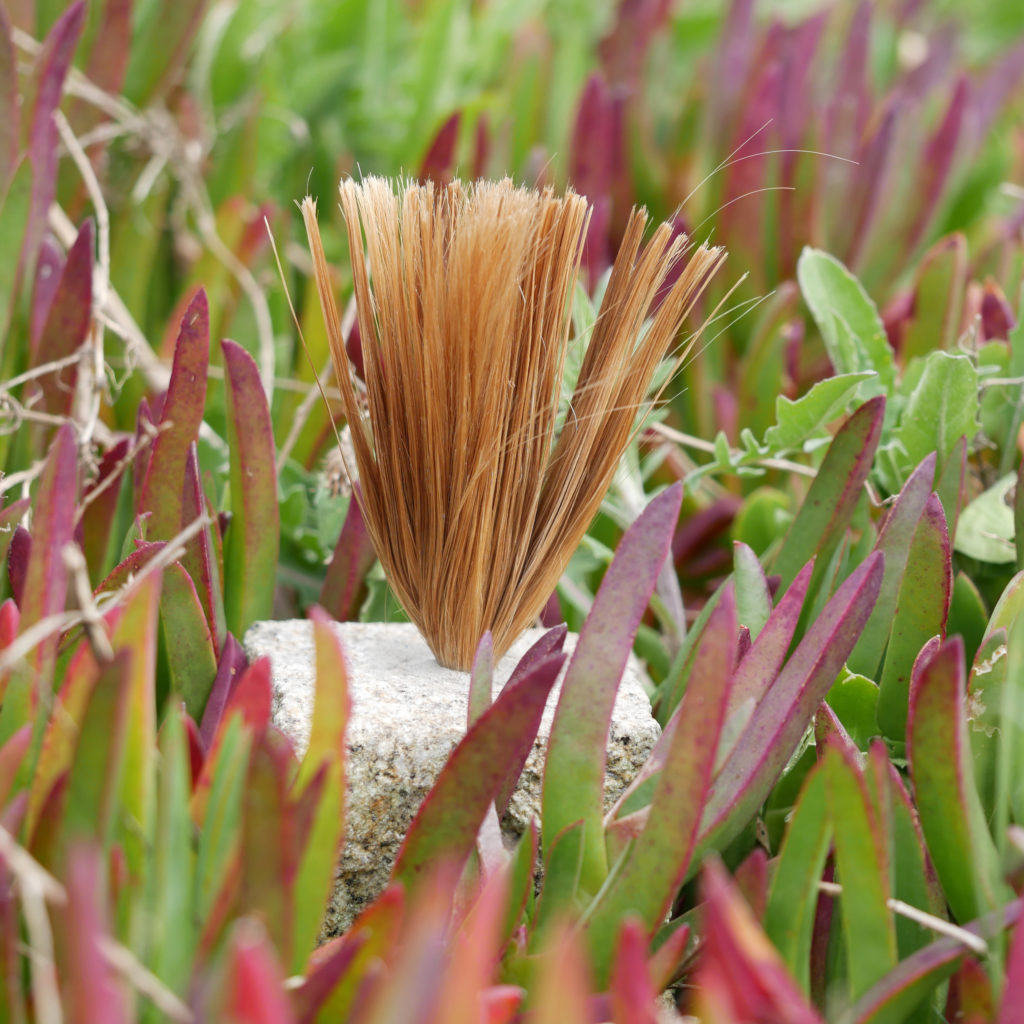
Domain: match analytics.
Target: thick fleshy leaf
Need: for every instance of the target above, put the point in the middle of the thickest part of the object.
(938, 298)
(326, 752)
(187, 641)
(15, 212)
(329, 966)
(874, 160)
(230, 665)
(344, 585)
(941, 769)
(98, 517)
(160, 48)
(129, 566)
(671, 690)
(46, 581)
(481, 680)
(92, 992)
(266, 884)
(164, 479)
(10, 518)
(893, 998)
(913, 879)
(446, 825)
(250, 556)
(575, 767)
(826, 511)
(135, 628)
(656, 864)
(937, 161)
(41, 99)
(67, 325)
(200, 557)
(10, 113)
(96, 772)
(439, 160)
(18, 551)
(253, 986)
(740, 976)
(172, 934)
(377, 930)
(474, 950)
(216, 811)
(1011, 1009)
(894, 541)
(632, 995)
(793, 895)
(862, 864)
(558, 897)
(760, 665)
(779, 720)
(592, 163)
(920, 613)
(12, 753)
(562, 988)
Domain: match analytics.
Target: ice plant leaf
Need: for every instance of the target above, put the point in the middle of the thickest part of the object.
(326, 750)
(67, 324)
(862, 865)
(182, 413)
(251, 547)
(894, 542)
(91, 986)
(793, 896)
(782, 715)
(920, 613)
(575, 767)
(908, 985)
(344, 585)
(657, 862)
(187, 640)
(941, 770)
(445, 827)
(474, 497)
(40, 100)
(46, 582)
(741, 976)
(200, 557)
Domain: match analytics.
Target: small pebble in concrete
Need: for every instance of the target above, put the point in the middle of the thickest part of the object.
(408, 714)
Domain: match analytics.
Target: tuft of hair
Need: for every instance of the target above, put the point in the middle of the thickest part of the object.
(464, 294)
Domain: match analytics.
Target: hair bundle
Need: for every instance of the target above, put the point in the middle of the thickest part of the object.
(473, 495)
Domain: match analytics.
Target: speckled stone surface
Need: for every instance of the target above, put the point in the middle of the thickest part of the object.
(408, 713)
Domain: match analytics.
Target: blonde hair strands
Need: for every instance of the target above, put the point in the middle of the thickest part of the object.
(463, 295)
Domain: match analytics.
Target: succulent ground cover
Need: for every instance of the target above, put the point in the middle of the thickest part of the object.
(815, 542)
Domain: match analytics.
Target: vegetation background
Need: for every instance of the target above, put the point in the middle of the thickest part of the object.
(837, 649)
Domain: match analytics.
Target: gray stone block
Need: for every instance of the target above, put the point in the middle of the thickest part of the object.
(408, 714)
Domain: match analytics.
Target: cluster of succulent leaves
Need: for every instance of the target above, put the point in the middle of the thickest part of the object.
(831, 825)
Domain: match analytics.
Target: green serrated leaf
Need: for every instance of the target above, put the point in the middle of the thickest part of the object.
(941, 408)
(847, 318)
(808, 416)
(986, 528)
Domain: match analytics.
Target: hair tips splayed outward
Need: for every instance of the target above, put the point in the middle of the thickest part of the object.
(463, 295)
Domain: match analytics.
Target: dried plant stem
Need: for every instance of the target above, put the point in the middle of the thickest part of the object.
(474, 498)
